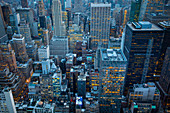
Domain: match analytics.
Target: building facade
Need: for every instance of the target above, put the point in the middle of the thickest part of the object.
(142, 49)
(100, 25)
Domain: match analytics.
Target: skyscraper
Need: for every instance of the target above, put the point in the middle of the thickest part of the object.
(8, 56)
(41, 10)
(164, 82)
(20, 48)
(135, 10)
(100, 25)
(112, 66)
(57, 19)
(3, 35)
(25, 30)
(166, 27)
(27, 14)
(142, 49)
(7, 101)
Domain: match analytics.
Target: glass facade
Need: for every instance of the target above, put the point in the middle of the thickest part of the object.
(141, 48)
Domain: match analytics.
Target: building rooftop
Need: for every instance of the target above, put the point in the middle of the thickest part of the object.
(100, 5)
(143, 26)
(112, 55)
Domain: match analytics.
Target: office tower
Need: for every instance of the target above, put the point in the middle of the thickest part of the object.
(112, 70)
(6, 9)
(9, 32)
(24, 30)
(68, 4)
(1, 13)
(32, 50)
(13, 80)
(35, 29)
(26, 68)
(45, 66)
(27, 14)
(63, 4)
(8, 57)
(24, 3)
(14, 21)
(3, 35)
(59, 46)
(164, 82)
(45, 37)
(59, 29)
(166, 27)
(56, 81)
(135, 10)
(65, 18)
(20, 48)
(41, 9)
(142, 49)
(43, 22)
(7, 101)
(43, 52)
(100, 25)
(81, 85)
(144, 98)
(78, 6)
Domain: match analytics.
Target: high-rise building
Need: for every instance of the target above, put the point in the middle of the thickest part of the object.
(3, 35)
(14, 21)
(59, 29)
(142, 49)
(100, 25)
(164, 82)
(43, 52)
(59, 46)
(20, 48)
(43, 21)
(7, 101)
(135, 10)
(27, 14)
(63, 4)
(24, 3)
(166, 27)
(144, 98)
(112, 70)
(6, 9)
(41, 9)
(24, 30)
(8, 56)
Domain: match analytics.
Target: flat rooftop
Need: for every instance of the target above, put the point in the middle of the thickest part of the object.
(100, 5)
(153, 27)
(112, 55)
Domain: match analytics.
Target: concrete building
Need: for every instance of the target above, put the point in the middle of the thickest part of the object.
(43, 52)
(59, 46)
(27, 14)
(20, 48)
(59, 29)
(81, 85)
(100, 25)
(7, 104)
(112, 64)
(24, 30)
(143, 94)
